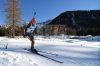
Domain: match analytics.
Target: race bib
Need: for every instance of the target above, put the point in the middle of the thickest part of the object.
(31, 28)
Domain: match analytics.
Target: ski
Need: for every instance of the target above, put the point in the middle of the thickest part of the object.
(49, 58)
(47, 53)
(46, 57)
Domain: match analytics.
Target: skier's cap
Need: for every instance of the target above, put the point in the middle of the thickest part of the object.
(33, 21)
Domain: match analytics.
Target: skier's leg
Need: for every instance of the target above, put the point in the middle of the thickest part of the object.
(32, 42)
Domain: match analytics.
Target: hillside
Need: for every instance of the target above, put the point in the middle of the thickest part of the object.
(87, 22)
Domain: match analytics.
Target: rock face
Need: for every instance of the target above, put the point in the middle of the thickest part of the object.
(77, 23)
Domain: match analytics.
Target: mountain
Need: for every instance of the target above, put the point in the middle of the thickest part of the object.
(45, 22)
(78, 18)
(82, 21)
(41, 24)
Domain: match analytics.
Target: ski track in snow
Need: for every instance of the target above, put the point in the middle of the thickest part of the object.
(74, 52)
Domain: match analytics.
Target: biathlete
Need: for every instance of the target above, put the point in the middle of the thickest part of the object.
(29, 31)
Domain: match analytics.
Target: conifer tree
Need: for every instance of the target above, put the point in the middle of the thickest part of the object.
(13, 15)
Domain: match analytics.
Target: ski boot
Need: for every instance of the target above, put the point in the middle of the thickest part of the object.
(34, 51)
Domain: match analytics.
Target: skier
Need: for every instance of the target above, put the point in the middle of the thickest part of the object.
(29, 31)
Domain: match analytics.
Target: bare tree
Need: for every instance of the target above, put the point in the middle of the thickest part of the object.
(13, 15)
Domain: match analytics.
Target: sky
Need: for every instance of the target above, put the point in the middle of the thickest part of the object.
(49, 9)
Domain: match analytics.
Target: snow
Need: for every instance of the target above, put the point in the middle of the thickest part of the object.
(72, 50)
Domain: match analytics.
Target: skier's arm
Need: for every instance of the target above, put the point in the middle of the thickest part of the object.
(24, 31)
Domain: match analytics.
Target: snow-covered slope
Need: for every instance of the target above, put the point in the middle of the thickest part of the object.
(83, 51)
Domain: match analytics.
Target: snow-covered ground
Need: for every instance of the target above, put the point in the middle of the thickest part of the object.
(73, 51)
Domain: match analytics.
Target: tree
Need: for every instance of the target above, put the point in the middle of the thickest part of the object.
(13, 15)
